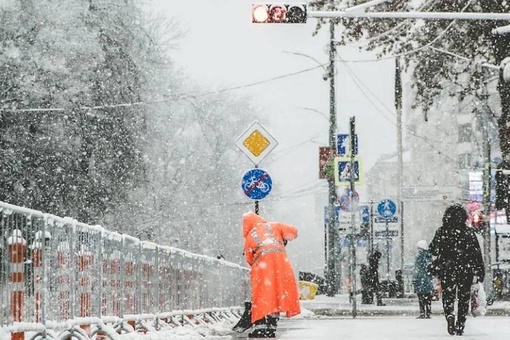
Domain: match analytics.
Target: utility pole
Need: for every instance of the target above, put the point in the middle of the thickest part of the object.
(400, 175)
(486, 192)
(352, 244)
(332, 274)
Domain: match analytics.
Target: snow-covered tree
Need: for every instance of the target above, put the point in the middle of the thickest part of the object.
(432, 48)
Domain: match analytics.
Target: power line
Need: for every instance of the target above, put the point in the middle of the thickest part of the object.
(171, 99)
(359, 83)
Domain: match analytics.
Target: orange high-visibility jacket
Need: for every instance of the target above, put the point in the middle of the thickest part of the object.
(273, 284)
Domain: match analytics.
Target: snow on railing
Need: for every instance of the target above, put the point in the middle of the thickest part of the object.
(59, 276)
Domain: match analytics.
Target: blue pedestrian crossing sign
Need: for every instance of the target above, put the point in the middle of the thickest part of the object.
(364, 213)
(343, 144)
(343, 171)
(256, 184)
(386, 208)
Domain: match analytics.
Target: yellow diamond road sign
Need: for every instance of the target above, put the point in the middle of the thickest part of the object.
(256, 142)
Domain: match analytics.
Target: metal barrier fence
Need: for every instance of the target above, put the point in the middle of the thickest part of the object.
(56, 269)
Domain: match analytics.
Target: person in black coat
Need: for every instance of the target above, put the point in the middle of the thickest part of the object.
(458, 261)
(373, 272)
(367, 296)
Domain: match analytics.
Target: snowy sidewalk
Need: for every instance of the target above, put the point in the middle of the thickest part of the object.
(395, 321)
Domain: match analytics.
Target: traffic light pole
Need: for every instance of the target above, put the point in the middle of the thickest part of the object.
(487, 194)
(333, 258)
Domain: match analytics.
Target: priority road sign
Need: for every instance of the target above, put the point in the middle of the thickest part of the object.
(256, 142)
(256, 184)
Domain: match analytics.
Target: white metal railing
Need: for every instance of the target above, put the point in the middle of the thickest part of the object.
(56, 272)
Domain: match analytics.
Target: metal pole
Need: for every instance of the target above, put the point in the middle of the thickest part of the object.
(371, 236)
(487, 194)
(398, 108)
(332, 272)
(352, 244)
(410, 15)
(387, 251)
(256, 202)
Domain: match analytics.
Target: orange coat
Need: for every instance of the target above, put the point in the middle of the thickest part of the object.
(273, 284)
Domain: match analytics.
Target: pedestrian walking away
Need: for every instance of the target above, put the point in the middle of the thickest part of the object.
(423, 280)
(273, 284)
(458, 264)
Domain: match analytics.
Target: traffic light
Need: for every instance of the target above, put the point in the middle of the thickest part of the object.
(274, 13)
(477, 221)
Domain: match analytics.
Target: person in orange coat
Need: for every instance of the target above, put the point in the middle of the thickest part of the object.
(273, 284)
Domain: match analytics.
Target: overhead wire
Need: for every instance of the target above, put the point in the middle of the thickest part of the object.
(359, 83)
(171, 99)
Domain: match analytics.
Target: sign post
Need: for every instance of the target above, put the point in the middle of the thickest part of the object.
(256, 143)
(353, 151)
(387, 209)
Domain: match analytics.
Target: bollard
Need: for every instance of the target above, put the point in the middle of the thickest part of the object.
(17, 246)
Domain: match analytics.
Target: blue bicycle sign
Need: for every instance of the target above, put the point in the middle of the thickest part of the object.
(256, 184)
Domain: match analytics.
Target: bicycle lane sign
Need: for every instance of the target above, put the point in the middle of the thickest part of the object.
(256, 184)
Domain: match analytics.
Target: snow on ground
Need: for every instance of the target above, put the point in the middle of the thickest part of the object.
(364, 328)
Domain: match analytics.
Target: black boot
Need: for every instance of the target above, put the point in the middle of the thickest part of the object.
(264, 328)
(428, 306)
(421, 302)
(459, 328)
(245, 322)
(450, 322)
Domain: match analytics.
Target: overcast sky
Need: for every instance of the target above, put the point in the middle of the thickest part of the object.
(222, 48)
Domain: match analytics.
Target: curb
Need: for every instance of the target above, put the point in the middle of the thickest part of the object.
(393, 312)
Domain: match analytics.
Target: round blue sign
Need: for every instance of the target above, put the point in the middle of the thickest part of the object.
(345, 200)
(256, 184)
(386, 208)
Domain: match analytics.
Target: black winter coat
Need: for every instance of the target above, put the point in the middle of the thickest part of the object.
(458, 253)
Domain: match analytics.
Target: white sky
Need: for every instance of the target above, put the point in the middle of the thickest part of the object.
(222, 48)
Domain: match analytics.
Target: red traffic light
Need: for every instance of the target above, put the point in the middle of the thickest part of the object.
(273, 13)
(477, 221)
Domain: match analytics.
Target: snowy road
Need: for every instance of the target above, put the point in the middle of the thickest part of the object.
(391, 328)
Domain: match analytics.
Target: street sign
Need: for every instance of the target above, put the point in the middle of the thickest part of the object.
(256, 184)
(386, 233)
(326, 154)
(432, 193)
(343, 144)
(343, 170)
(364, 213)
(386, 208)
(345, 242)
(380, 219)
(256, 142)
(345, 200)
(327, 209)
